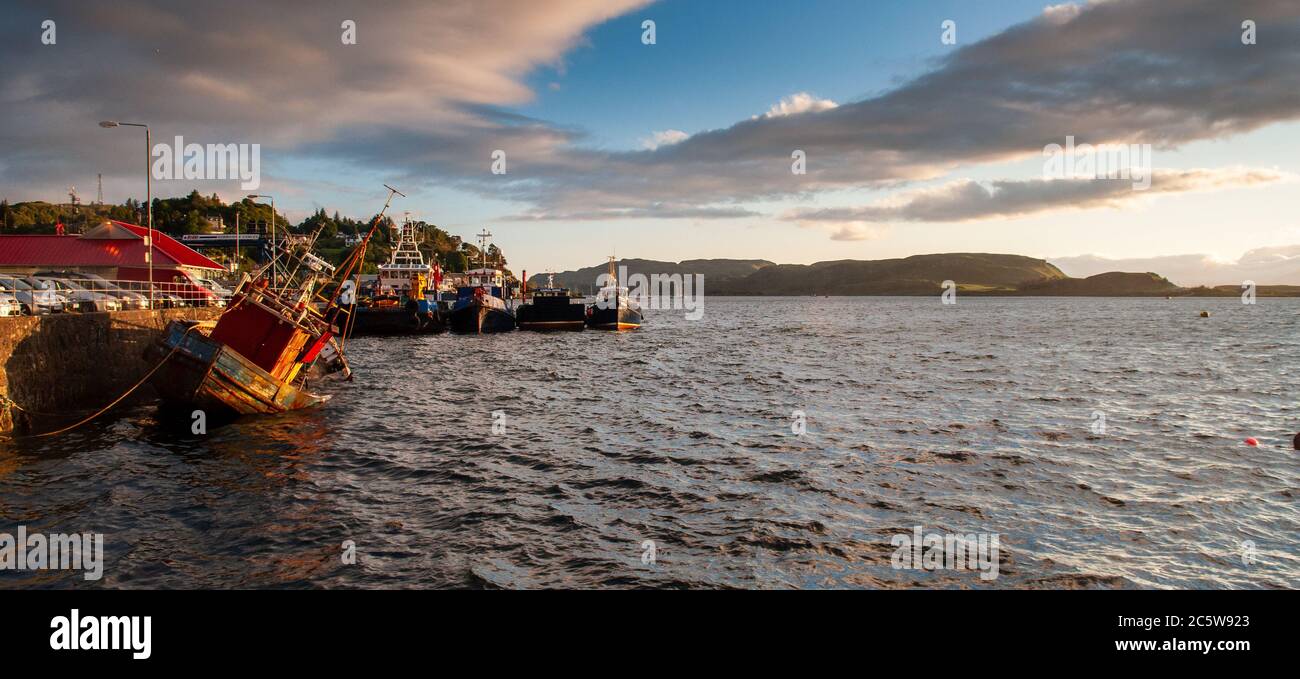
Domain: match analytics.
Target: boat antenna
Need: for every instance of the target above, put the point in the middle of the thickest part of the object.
(482, 246)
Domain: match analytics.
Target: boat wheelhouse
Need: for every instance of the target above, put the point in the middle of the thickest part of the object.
(404, 264)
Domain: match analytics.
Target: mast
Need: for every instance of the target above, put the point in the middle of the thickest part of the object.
(614, 278)
(482, 246)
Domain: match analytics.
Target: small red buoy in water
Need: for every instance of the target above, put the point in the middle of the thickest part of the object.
(1251, 441)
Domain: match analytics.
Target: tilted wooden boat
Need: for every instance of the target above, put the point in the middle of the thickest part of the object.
(207, 374)
(257, 357)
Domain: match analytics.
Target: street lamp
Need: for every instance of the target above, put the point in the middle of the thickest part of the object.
(274, 254)
(148, 189)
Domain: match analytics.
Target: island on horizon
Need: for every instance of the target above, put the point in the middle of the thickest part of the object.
(983, 274)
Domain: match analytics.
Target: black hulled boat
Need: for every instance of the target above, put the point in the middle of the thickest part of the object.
(551, 308)
(402, 303)
(480, 307)
(614, 309)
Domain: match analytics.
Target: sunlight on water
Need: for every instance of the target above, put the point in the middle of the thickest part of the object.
(977, 417)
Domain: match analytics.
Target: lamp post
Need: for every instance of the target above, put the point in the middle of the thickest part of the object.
(274, 255)
(148, 189)
(238, 255)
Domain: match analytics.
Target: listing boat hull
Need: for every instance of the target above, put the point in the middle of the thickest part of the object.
(476, 318)
(209, 375)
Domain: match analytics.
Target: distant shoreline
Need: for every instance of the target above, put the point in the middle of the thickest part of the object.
(971, 273)
(1260, 292)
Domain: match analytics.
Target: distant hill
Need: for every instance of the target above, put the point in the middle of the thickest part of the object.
(973, 273)
(714, 270)
(1235, 291)
(1112, 284)
(915, 275)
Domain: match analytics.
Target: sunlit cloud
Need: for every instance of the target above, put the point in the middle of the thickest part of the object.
(969, 200)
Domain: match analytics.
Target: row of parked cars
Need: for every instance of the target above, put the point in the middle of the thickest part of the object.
(53, 292)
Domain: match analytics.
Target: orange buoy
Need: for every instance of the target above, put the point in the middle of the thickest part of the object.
(1252, 441)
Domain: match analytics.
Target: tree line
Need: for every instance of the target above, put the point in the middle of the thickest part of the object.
(197, 213)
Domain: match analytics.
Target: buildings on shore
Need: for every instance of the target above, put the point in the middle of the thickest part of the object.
(113, 250)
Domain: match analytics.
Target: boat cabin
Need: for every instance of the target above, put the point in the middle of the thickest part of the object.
(606, 296)
(491, 280)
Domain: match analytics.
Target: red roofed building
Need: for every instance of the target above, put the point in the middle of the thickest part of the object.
(115, 250)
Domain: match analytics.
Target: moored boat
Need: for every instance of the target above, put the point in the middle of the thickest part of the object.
(402, 303)
(480, 306)
(551, 308)
(614, 308)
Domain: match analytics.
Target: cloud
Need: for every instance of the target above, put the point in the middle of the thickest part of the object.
(280, 75)
(421, 98)
(1115, 72)
(1265, 266)
(970, 200)
(651, 211)
(795, 104)
(1060, 14)
(664, 138)
(855, 231)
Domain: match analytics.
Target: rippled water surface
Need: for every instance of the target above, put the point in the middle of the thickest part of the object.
(978, 417)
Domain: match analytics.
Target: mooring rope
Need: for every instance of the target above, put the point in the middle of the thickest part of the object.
(9, 402)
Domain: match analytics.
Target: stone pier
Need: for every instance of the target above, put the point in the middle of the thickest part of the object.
(76, 363)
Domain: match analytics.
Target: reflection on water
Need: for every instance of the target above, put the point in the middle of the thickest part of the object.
(979, 417)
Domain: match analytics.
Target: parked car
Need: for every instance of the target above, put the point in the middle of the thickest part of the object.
(84, 300)
(35, 300)
(220, 293)
(47, 289)
(129, 298)
(9, 305)
(166, 299)
(193, 291)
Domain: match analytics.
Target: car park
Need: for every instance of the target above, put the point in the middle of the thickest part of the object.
(34, 299)
(83, 299)
(130, 299)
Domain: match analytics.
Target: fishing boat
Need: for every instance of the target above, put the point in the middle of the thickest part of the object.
(614, 308)
(481, 306)
(404, 300)
(258, 355)
(551, 308)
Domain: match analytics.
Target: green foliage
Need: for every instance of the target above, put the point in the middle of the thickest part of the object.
(455, 261)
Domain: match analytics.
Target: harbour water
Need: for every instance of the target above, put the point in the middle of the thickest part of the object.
(1100, 439)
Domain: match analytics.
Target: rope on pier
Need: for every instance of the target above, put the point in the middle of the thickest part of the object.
(6, 402)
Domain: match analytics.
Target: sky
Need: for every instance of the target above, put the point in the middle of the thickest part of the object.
(922, 126)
